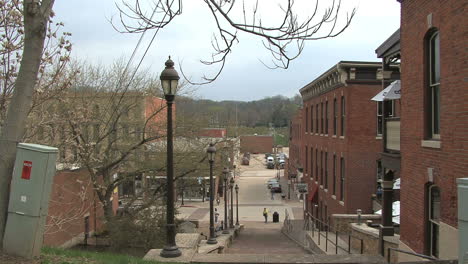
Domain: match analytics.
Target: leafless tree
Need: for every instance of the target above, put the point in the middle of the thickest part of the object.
(284, 37)
(32, 57)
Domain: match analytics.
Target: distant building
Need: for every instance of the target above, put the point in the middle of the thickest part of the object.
(341, 141)
(75, 210)
(256, 144)
(213, 132)
(294, 163)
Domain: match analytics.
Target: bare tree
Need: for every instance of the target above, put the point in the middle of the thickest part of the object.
(32, 58)
(283, 37)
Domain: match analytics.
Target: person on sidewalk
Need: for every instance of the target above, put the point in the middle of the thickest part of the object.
(216, 215)
(265, 214)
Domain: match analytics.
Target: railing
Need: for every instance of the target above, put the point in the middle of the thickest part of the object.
(389, 251)
(392, 138)
(317, 227)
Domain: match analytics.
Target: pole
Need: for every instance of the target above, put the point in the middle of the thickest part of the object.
(170, 250)
(212, 239)
(231, 221)
(225, 231)
(237, 205)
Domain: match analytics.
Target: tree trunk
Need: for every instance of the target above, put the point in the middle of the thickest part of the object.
(36, 16)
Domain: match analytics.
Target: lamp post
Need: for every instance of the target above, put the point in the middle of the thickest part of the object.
(169, 80)
(225, 228)
(237, 205)
(211, 157)
(231, 221)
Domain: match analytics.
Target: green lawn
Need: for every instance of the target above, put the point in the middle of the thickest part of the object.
(62, 256)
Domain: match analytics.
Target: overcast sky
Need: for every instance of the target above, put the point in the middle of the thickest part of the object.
(245, 78)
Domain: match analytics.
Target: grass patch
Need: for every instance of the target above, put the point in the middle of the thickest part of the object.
(65, 256)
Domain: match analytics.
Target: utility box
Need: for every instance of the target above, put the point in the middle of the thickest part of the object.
(462, 220)
(29, 199)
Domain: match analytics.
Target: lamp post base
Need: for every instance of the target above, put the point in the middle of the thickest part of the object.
(212, 241)
(170, 252)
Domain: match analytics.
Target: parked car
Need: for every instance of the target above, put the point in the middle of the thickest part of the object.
(281, 163)
(276, 187)
(270, 165)
(271, 182)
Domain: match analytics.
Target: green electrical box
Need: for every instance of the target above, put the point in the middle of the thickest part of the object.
(29, 199)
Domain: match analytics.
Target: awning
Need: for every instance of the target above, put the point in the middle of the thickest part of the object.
(392, 92)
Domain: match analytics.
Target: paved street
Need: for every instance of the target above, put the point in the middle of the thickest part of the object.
(254, 195)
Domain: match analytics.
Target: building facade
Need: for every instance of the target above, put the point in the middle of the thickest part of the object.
(341, 145)
(434, 124)
(294, 165)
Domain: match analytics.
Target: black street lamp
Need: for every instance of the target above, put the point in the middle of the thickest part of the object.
(169, 81)
(237, 205)
(225, 173)
(231, 221)
(211, 157)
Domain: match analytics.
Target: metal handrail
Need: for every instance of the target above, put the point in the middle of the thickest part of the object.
(329, 229)
(389, 251)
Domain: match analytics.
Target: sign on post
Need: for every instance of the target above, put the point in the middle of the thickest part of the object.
(302, 188)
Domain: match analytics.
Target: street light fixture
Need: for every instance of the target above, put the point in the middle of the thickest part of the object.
(225, 228)
(169, 81)
(231, 221)
(237, 205)
(211, 158)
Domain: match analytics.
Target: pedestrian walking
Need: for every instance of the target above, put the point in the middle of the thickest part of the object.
(217, 201)
(216, 215)
(265, 214)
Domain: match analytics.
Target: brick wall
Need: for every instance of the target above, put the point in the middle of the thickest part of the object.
(450, 161)
(72, 199)
(256, 144)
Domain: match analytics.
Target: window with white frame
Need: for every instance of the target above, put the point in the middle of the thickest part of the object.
(433, 106)
(433, 219)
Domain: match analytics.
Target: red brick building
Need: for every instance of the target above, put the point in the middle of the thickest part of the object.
(434, 123)
(340, 143)
(294, 165)
(256, 144)
(74, 209)
(213, 132)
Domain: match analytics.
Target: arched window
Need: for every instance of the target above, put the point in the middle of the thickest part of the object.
(433, 89)
(434, 220)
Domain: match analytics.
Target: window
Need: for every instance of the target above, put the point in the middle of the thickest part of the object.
(379, 118)
(312, 119)
(335, 116)
(326, 117)
(321, 119)
(342, 116)
(307, 119)
(342, 179)
(311, 163)
(316, 118)
(306, 157)
(326, 170)
(433, 107)
(96, 132)
(321, 167)
(434, 217)
(316, 165)
(334, 175)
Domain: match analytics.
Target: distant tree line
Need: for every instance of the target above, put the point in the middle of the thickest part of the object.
(274, 111)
